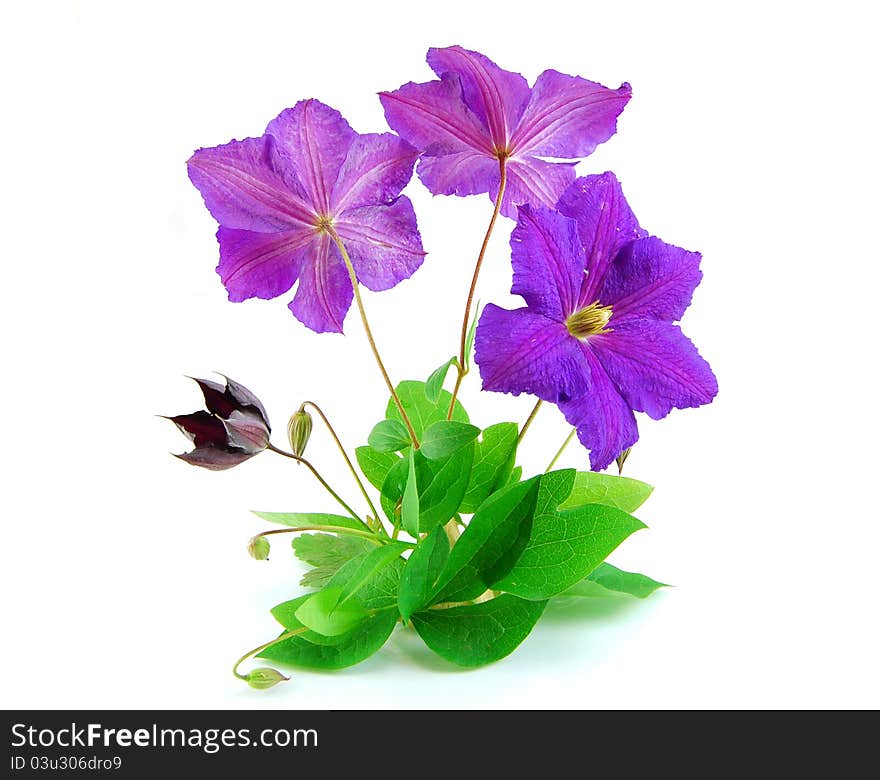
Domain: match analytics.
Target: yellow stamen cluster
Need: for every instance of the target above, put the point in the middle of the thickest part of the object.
(324, 222)
(589, 321)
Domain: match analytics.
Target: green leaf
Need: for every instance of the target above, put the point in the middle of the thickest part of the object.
(478, 634)
(515, 475)
(420, 410)
(409, 508)
(327, 553)
(380, 590)
(493, 464)
(565, 545)
(421, 571)
(442, 439)
(608, 580)
(441, 484)
(297, 519)
(367, 567)
(313, 651)
(388, 436)
(435, 382)
(469, 340)
(375, 464)
(621, 492)
(491, 544)
(325, 613)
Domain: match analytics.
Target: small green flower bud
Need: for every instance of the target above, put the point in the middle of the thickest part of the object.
(621, 459)
(263, 677)
(258, 548)
(299, 428)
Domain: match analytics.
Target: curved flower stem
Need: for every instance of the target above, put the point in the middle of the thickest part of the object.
(561, 450)
(528, 422)
(351, 467)
(320, 479)
(333, 529)
(286, 635)
(360, 304)
(462, 358)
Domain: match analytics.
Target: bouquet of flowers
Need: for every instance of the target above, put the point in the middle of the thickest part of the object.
(457, 543)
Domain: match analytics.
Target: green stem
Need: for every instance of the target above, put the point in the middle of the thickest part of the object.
(260, 649)
(332, 529)
(323, 481)
(528, 422)
(462, 358)
(360, 304)
(351, 467)
(561, 450)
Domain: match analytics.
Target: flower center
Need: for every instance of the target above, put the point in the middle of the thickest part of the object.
(589, 321)
(323, 223)
(502, 153)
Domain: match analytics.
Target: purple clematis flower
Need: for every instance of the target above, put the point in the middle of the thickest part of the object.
(478, 115)
(280, 198)
(596, 335)
(234, 428)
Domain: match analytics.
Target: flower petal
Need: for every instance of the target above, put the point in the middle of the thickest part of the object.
(534, 181)
(604, 421)
(497, 96)
(548, 261)
(216, 398)
(523, 352)
(315, 139)
(383, 242)
(247, 185)
(202, 428)
(568, 116)
(260, 265)
(651, 279)
(655, 366)
(247, 431)
(324, 294)
(214, 458)
(244, 397)
(433, 117)
(375, 170)
(605, 223)
(462, 173)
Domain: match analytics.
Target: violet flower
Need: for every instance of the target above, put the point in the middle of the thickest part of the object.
(278, 199)
(596, 335)
(478, 115)
(234, 428)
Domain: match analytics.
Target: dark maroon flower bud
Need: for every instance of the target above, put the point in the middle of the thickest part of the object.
(234, 428)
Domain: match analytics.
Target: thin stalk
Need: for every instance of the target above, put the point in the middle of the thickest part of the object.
(351, 467)
(528, 422)
(561, 450)
(262, 647)
(461, 367)
(320, 479)
(333, 529)
(360, 304)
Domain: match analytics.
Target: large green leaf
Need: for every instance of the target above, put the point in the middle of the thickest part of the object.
(421, 411)
(565, 545)
(375, 464)
(441, 485)
(442, 439)
(333, 652)
(422, 569)
(388, 436)
(608, 580)
(299, 519)
(367, 567)
(621, 492)
(326, 613)
(493, 462)
(478, 634)
(410, 506)
(491, 544)
(327, 553)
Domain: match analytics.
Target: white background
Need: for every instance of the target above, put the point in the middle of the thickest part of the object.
(751, 137)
